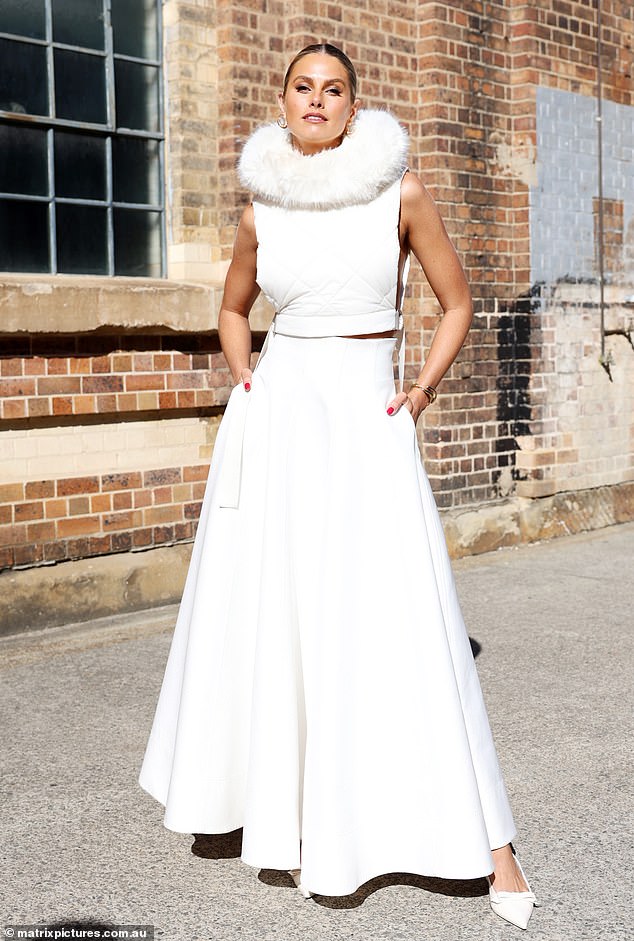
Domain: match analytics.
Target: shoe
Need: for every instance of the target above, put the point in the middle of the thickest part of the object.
(514, 907)
(296, 876)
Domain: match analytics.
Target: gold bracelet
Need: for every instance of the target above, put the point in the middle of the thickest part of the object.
(429, 391)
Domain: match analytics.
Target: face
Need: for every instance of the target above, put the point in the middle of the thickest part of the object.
(317, 104)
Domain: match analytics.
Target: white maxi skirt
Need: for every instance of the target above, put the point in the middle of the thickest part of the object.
(320, 685)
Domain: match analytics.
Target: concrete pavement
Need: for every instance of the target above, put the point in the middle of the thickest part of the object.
(553, 622)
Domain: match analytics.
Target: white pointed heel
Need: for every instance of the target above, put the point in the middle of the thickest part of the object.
(296, 876)
(514, 907)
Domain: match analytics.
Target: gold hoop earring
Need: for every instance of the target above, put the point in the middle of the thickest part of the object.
(282, 122)
(349, 129)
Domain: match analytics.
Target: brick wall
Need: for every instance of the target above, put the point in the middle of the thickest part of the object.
(124, 409)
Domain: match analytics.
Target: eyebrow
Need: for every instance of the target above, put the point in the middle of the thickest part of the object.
(330, 81)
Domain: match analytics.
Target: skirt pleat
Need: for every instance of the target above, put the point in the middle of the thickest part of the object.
(320, 685)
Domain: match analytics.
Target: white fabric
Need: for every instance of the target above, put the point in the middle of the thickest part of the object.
(365, 163)
(320, 684)
(316, 688)
(333, 272)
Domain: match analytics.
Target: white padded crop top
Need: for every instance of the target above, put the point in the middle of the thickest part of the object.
(331, 272)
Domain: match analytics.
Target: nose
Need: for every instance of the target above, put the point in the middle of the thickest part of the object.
(316, 100)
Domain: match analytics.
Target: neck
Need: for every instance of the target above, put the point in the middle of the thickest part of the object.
(308, 149)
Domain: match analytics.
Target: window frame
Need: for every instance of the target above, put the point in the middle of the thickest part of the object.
(107, 132)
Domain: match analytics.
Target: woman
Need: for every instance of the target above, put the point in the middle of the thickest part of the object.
(320, 690)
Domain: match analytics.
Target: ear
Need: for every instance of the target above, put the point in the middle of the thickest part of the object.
(280, 101)
(355, 107)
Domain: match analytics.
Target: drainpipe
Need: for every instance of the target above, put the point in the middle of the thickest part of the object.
(603, 359)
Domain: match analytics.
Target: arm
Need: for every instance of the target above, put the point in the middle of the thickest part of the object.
(422, 231)
(239, 296)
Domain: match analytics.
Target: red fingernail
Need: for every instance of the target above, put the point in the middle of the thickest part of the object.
(390, 410)
(247, 386)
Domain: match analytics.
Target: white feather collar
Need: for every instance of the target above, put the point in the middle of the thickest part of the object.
(365, 163)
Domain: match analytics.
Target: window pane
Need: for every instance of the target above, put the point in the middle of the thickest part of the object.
(136, 94)
(137, 243)
(78, 23)
(23, 83)
(23, 17)
(135, 170)
(80, 166)
(23, 236)
(80, 87)
(23, 164)
(135, 28)
(82, 239)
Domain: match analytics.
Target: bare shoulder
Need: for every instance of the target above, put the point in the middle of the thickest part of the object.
(414, 194)
(246, 238)
(247, 220)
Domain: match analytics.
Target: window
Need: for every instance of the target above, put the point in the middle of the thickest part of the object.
(81, 137)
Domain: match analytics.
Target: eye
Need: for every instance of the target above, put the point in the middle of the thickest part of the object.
(335, 90)
(302, 88)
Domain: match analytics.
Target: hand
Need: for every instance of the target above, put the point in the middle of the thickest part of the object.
(415, 402)
(246, 378)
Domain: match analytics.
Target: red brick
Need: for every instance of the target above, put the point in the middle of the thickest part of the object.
(122, 500)
(19, 386)
(94, 384)
(183, 531)
(41, 532)
(101, 503)
(192, 510)
(142, 498)
(74, 485)
(167, 400)
(6, 558)
(122, 481)
(106, 404)
(13, 408)
(58, 385)
(77, 525)
(126, 520)
(144, 382)
(161, 514)
(79, 506)
(11, 493)
(162, 534)
(62, 405)
(186, 380)
(83, 404)
(28, 511)
(35, 366)
(27, 555)
(121, 541)
(162, 362)
(196, 472)
(141, 538)
(186, 399)
(100, 545)
(162, 495)
(100, 364)
(12, 535)
(57, 366)
(54, 509)
(11, 366)
(55, 551)
(79, 365)
(122, 362)
(165, 475)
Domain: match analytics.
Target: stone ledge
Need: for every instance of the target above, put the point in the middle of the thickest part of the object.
(519, 520)
(49, 304)
(91, 588)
